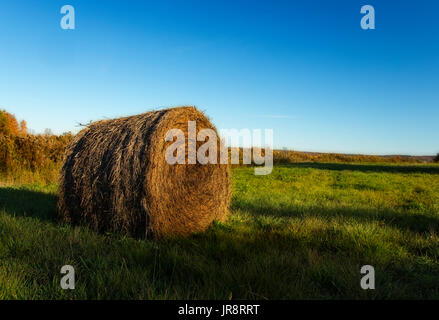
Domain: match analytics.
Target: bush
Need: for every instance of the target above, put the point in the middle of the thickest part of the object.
(31, 151)
(22, 151)
(290, 156)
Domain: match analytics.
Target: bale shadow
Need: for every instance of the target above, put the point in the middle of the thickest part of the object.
(402, 220)
(380, 168)
(28, 203)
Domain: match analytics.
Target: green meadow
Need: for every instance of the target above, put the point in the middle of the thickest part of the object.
(302, 232)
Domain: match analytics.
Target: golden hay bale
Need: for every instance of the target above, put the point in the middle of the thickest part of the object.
(115, 178)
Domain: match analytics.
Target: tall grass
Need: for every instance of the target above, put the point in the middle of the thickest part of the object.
(302, 232)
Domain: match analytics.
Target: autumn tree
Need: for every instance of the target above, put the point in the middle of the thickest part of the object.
(9, 124)
(14, 128)
(23, 127)
(4, 125)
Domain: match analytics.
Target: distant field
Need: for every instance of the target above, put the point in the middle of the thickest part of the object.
(302, 232)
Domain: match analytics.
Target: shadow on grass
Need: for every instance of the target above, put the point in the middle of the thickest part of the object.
(402, 220)
(216, 263)
(366, 167)
(28, 203)
(40, 205)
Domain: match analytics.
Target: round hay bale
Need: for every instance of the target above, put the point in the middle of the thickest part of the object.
(115, 178)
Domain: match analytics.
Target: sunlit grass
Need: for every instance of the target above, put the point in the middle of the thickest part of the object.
(302, 232)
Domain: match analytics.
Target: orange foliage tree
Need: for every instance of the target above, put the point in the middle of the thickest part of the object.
(4, 125)
(9, 124)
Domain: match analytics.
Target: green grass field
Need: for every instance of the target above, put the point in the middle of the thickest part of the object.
(302, 232)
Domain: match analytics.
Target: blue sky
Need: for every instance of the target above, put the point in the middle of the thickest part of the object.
(304, 68)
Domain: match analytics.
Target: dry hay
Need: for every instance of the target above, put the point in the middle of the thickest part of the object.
(115, 178)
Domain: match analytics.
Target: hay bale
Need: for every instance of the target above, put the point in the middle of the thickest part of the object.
(115, 178)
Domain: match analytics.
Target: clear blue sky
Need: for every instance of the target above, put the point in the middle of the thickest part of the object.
(304, 68)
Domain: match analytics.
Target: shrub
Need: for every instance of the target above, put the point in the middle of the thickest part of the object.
(22, 151)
